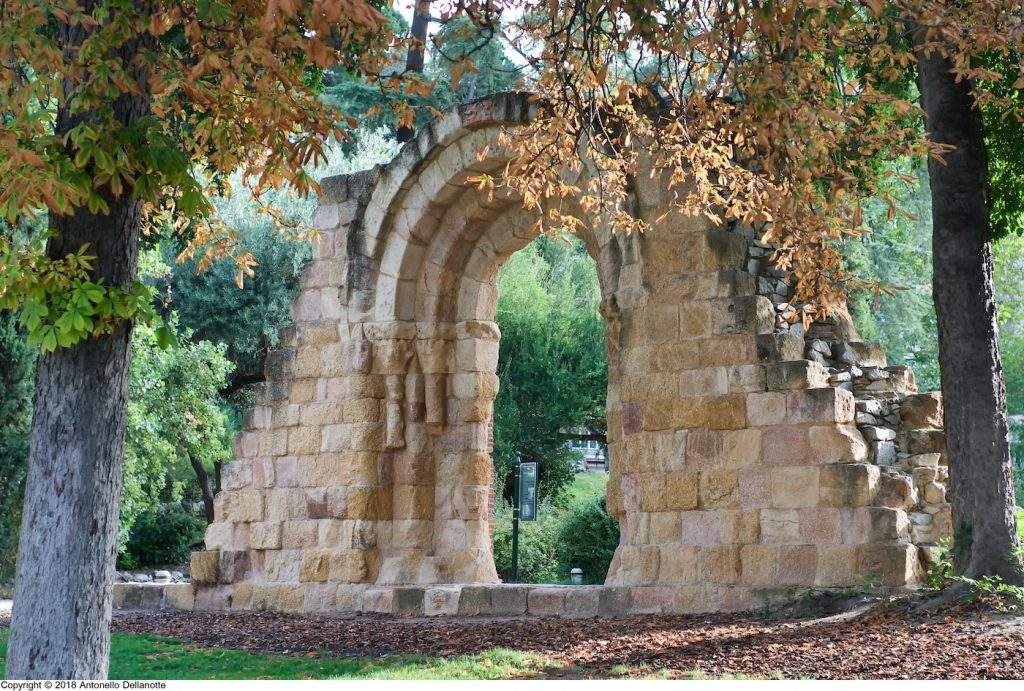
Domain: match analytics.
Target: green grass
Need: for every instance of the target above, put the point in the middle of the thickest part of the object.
(1020, 523)
(153, 657)
(583, 487)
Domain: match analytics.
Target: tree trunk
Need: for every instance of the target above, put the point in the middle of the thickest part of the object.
(414, 60)
(60, 626)
(974, 395)
(204, 486)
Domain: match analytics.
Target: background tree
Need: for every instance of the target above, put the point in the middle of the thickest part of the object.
(985, 539)
(552, 371)
(121, 116)
(17, 365)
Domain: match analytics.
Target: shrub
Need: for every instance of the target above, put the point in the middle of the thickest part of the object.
(538, 562)
(587, 538)
(162, 537)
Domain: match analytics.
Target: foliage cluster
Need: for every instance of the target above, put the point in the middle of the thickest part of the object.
(552, 370)
(163, 536)
(17, 365)
(575, 531)
(152, 106)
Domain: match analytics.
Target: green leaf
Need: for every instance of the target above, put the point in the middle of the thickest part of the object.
(165, 336)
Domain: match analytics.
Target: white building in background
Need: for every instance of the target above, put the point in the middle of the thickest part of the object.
(595, 454)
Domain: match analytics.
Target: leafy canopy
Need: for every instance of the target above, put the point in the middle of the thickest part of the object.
(160, 101)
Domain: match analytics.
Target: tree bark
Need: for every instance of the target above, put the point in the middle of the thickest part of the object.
(414, 60)
(973, 391)
(60, 626)
(203, 478)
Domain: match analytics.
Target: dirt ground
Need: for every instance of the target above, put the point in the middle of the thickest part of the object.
(887, 642)
(870, 642)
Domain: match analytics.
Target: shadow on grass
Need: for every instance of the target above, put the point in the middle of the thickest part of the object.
(153, 657)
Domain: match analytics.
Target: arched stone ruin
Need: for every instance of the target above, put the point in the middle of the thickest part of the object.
(748, 460)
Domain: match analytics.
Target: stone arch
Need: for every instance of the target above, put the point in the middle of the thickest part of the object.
(362, 481)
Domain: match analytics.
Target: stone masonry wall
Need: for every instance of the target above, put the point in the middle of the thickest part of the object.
(749, 459)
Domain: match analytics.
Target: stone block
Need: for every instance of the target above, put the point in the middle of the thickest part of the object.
(741, 527)
(664, 526)
(782, 347)
(126, 596)
(795, 487)
(798, 565)
(299, 534)
(705, 449)
(653, 599)
(820, 405)
(441, 601)
(509, 600)
(652, 493)
(319, 597)
(179, 597)
(278, 598)
(894, 565)
(234, 565)
(582, 601)
(204, 567)
(785, 445)
(281, 565)
(919, 441)
(314, 564)
(349, 597)
(780, 526)
(722, 564)
(837, 566)
(840, 443)
(922, 411)
(475, 600)
(243, 506)
(679, 564)
(219, 535)
(759, 565)
(747, 378)
(896, 491)
(701, 528)
(718, 489)
(741, 448)
(754, 314)
(348, 566)
(796, 374)
(213, 599)
(379, 600)
(724, 412)
(821, 526)
(934, 493)
(546, 602)
(408, 602)
(875, 524)
(849, 484)
(615, 601)
(766, 408)
(680, 491)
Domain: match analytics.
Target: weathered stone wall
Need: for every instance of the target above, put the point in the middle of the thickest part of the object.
(743, 465)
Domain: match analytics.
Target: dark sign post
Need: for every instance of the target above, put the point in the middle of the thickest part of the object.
(524, 504)
(528, 491)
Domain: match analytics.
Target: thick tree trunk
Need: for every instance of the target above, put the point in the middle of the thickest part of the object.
(60, 626)
(205, 487)
(974, 395)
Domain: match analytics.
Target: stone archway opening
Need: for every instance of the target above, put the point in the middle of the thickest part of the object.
(741, 470)
(551, 409)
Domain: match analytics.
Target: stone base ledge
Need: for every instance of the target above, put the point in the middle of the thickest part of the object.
(461, 600)
(174, 596)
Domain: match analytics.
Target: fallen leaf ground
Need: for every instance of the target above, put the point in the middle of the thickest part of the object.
(887, 645)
